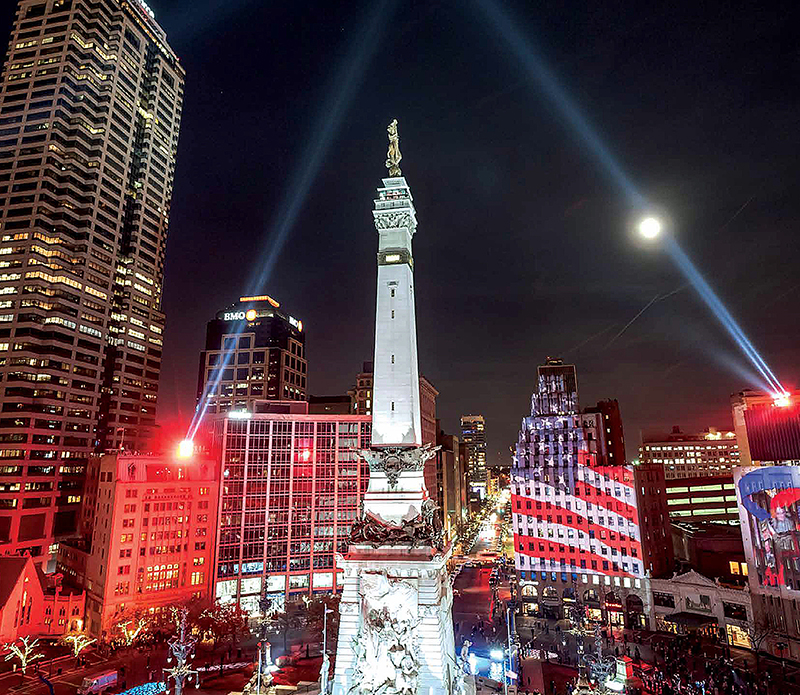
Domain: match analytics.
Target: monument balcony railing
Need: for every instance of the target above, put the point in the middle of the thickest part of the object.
(392, 204)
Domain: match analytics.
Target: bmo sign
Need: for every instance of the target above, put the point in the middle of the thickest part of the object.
(249, 315)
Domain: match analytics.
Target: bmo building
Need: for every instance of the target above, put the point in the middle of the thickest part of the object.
(254, 351)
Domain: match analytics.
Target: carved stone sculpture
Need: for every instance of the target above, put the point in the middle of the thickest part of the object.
(393, 460)
(385, 648)
(425, 529)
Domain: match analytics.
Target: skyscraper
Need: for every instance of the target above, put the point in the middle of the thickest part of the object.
(576, 522)
(255, 351)
(90, 107)
(473, 434)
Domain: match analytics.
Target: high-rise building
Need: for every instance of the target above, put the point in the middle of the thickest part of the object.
(290, 488)
(473, 434)
(254, 351)
(655, 525)
(90, 108)
(152, 542)
(361, 393)
(575, 514)
(710, 453)
(451, 484)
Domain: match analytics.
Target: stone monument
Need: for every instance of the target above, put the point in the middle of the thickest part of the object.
(396, 626)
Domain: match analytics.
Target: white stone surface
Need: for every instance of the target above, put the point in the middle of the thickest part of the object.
(395, 404)
(433, 613)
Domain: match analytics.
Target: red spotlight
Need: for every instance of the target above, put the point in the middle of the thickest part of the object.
(185, 449)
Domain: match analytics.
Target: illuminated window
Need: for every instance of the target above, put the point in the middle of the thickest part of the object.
(393, 258)
(734, 566)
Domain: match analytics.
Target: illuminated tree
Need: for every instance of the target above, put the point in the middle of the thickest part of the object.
(77, 641)
(132, 627)
(24, 650)
(224, 620)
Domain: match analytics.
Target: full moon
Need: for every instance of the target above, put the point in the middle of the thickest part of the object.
(649, 227)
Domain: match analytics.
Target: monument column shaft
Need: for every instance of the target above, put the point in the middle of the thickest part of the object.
(395, 403)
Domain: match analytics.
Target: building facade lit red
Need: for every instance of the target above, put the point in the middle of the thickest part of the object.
(152, 541)
(290, 488)
(577, 537)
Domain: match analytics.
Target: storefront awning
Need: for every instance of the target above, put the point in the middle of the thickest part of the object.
(690, 619)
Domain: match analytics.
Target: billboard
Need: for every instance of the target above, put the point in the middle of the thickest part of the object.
(769, 510)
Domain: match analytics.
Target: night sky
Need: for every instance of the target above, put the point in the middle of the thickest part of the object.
(524, 247)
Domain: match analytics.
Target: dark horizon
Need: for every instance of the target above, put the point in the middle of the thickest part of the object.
(524, 247)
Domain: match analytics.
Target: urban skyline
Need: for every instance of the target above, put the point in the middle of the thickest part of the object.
(673, 349)
(192, 459)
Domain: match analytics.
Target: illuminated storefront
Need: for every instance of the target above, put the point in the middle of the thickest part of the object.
(693, 604)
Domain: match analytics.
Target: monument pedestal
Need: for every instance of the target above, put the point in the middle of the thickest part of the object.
(395, 594)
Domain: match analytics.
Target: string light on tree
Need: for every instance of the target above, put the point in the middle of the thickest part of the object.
(78, 642)
(24, 650)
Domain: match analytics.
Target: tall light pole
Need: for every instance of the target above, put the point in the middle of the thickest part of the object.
(182, 648)
(325, 669)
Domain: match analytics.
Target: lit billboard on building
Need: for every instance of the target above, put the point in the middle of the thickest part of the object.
(769, 511)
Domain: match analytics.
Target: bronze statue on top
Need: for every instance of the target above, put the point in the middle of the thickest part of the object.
(393, 156)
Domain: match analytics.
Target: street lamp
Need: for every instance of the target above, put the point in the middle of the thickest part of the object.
(182, 648)
(600, 667)
(325, 670)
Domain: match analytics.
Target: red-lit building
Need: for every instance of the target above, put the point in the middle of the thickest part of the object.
(152, 540)
(576, 523)
(34, 604)
(290, 488)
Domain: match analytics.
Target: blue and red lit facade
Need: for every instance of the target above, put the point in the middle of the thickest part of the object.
(577, 534)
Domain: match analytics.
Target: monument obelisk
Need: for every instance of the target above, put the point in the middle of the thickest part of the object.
(396, 626)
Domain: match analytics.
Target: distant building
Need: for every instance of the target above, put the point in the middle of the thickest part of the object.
(152, 541)
(577, 533)
(34, 604)
(703, 499)
(290, 488)
(682, 455)
(254, 351)
(473, 434)
(330, 405)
